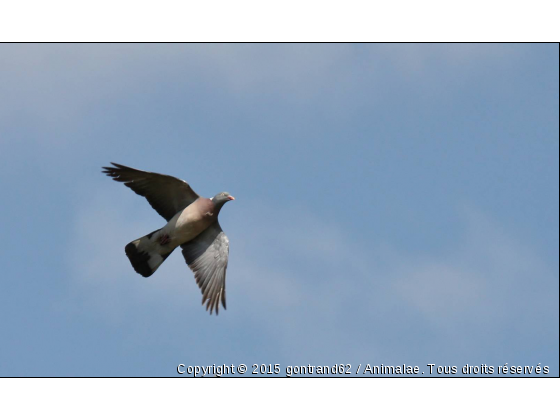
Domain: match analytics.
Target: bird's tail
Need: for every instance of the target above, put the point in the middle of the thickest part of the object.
(146, 254)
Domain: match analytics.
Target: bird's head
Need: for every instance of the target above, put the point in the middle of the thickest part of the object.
(220, 199)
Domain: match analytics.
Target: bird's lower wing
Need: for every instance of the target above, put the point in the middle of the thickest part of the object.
(207, 257)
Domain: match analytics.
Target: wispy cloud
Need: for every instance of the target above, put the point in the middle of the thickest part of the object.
(53, 84)
(309, 280)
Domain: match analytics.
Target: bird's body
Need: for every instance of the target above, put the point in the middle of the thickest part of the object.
(192, 223)
(186, 225)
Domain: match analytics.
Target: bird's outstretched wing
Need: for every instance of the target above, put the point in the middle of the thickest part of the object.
(166, 194)
(207, 257)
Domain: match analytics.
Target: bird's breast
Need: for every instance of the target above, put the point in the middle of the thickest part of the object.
(189, 223)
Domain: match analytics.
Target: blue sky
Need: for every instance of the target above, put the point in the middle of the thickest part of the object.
(395, 204)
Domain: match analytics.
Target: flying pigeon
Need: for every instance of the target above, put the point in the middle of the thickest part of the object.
(192, 224)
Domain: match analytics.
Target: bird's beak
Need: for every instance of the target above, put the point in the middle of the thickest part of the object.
(231, 197)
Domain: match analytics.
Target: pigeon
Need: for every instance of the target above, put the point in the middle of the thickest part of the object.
(192, 224)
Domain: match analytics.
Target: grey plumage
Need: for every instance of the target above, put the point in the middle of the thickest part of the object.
(166, 194)
(208, 258)
(192, 224)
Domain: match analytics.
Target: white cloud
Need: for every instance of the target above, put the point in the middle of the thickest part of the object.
(100, 274)
(57, 84)
(305, 277)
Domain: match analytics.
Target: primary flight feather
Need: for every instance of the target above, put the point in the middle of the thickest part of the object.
(192, 224)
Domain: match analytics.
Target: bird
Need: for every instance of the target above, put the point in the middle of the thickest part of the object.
(192, 224)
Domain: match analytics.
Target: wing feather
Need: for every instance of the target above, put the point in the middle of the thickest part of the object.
(207, 257)
(166, 194)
